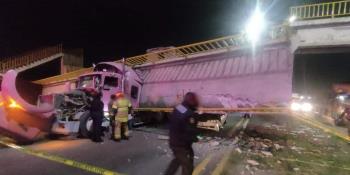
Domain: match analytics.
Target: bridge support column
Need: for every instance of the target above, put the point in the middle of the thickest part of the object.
(72, 60)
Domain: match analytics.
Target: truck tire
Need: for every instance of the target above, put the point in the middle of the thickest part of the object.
(85, 125)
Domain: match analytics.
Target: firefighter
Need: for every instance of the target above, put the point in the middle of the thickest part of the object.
(122, 107)
(96, 111)
(112, 114)
(183, 134)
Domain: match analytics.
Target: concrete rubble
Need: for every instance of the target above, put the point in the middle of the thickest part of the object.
(253, 162)
(258, 143)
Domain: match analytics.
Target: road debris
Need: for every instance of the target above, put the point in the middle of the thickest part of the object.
(296, 169)
(163, 137)
(266, 153)
(238, 150)
(214, 143)
(253, 162)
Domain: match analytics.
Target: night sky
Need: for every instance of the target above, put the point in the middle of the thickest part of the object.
(111, 29)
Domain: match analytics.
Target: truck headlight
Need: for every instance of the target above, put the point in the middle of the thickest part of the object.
(295, 106)
(306, 107)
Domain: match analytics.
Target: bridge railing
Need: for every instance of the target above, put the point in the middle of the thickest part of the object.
(321, 10)
(64, 77)
(28, 58)
(201, 47)
(228, 42)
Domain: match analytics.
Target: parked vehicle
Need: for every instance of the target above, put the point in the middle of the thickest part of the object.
(340, 108)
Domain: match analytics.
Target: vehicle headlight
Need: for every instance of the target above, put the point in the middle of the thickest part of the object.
(306, 107)
(106, 114)
(340, 98)
(295, 106)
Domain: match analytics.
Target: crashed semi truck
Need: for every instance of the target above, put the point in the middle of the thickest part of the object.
(223, 79)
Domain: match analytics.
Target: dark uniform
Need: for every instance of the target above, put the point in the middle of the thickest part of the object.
(182, 134)
(96, 111)
(111, 114)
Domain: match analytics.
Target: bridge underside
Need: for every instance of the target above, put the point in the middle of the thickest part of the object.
(316, 69)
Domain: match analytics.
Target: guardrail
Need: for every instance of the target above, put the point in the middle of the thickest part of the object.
(228, 42)
(28, 58)
(321, 10)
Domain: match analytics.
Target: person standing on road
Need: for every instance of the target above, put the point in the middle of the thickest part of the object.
(96, 111)
(346, 116)
(183, 134)
(111, 114)
(122, 107)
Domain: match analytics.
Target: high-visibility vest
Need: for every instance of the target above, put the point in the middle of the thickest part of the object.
(123, 106)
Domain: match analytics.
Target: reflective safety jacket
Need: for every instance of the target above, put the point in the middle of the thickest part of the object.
(122, 106)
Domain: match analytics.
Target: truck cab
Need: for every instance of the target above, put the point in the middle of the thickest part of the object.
(107, 78)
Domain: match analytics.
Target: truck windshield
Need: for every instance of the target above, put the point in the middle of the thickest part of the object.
(90, 81)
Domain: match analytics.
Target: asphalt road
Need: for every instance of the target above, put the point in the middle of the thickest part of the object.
(145, 153)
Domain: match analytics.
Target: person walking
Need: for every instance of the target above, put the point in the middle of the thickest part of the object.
(122, 108)
(183, 134)
(96, 111)
(111, 114)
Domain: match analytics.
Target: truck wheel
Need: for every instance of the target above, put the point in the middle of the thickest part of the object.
(85, 125)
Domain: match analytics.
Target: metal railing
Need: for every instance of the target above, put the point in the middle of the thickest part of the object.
(201, 47)
(28, 58)
(321, 10)
(65, 77)
(228, 42)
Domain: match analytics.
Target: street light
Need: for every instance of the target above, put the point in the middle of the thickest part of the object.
(255, 26)
(292, 19)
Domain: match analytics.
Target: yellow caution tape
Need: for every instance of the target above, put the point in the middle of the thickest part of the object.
(257, 110)
(58, 159)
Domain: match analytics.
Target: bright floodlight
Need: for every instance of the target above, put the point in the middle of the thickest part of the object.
(295, 106)
(292, 19)
(255, 26)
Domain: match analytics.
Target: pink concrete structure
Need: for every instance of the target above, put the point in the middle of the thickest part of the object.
(229, 79)
(19, 118)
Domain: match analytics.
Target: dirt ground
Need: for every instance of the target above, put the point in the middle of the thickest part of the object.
(287, 146)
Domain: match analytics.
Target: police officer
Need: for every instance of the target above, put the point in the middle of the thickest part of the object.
(112, 114)
(122, 107)
(96, 111)
(182, 134)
